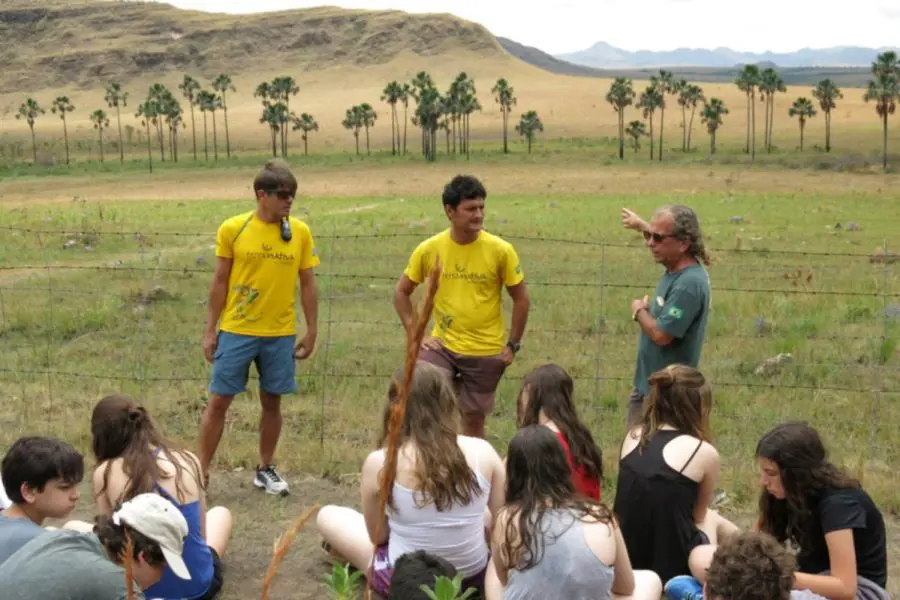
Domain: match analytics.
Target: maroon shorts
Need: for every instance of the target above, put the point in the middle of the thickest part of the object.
(475, 378)
(379, 575)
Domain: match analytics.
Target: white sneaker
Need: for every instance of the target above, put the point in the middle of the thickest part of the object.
(267, 478)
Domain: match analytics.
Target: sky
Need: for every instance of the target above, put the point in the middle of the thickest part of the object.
(561, 26)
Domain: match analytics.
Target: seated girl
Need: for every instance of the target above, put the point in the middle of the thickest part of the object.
(815, 506)
(443, 486)
(546, 399)
(668, 469)
(133, 458)
(550, 542)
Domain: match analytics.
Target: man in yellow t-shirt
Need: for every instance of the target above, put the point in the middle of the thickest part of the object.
(259, 257)
(468, 336)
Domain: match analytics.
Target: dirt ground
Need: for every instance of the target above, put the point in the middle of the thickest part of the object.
(260, 519)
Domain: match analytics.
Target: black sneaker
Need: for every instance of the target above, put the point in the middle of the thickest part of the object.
(267, 478)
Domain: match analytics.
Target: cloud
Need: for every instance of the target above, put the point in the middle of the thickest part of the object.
(891, 12)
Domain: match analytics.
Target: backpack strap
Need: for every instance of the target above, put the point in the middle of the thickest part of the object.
(241, 230)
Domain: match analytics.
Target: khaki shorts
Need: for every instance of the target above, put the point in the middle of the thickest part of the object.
(475, 378)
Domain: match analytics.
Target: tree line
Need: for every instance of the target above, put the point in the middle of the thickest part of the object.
(883, 89)
(162, 115)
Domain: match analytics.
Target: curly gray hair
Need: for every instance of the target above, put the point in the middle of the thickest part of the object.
(687, 228)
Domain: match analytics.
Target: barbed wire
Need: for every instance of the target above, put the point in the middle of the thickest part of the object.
(421, 235)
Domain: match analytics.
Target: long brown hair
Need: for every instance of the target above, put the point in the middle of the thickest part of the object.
(122, 429)
(681, 398)
(806, 473)
(431, 422)
(538, 480)
(550, 389)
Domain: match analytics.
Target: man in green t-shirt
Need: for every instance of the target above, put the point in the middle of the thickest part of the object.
(672, 323)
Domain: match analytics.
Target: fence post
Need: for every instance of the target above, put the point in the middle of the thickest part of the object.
(329, 300)
(878, 373)
(601, 322)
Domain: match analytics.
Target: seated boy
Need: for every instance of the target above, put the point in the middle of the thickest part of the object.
(750, 566)
(414, 570)
(89, 566)
(40, 476)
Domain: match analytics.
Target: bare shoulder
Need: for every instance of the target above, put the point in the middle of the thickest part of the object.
(482, 448)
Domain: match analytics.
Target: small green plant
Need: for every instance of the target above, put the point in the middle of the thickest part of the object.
(341, 584)
(447, 589)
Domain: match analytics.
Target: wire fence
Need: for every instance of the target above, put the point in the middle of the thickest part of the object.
(794, 333)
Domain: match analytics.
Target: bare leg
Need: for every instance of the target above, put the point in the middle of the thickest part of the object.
(716, 527)
(344, 529)
(212, 424)
(647, 586)
(269, 427)
(219, 523)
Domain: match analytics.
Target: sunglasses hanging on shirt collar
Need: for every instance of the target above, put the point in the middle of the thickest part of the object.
(286, 229)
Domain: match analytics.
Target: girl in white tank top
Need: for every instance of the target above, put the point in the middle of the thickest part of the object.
(446, 490)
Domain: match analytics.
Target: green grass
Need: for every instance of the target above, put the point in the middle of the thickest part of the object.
(86, 322)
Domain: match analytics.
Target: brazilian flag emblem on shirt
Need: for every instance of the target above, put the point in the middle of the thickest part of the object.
(518, 269)
(675, 312)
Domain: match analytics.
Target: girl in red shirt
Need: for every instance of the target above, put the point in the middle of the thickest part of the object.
(546, 399)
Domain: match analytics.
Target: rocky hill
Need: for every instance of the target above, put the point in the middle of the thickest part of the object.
(49, 44)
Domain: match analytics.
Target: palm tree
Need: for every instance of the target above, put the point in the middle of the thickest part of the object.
(223, 84)
(747, 81)
(101, 122)
(189, 88)
(884, 91)
(274, 115)
(826, 92)
(665, 84)
(353, 121)
(305, 123)
(712, 114)
(529, 125)
(147, 112)
(158, 94)
(650, 100)
(636, 130)
(62, 106)
(30, 110)
(172, 114)
(282, 89)
(770, 83)
(391, 95)
(468, 104)
(505, 97)
(689, 96)
(205, 101)
(405, 93)
(886, 63)
(621, 95)
(214, 103)
(368, 116)
(802, 109)
(116, 98)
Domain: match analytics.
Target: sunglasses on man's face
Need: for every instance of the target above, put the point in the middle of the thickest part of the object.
(657, 237)
(283, 194)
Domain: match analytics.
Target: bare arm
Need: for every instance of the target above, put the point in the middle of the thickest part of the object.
(623, 580)
(631, 220)
(841, 584)
(498, 536)
(309, 299)
(376, 524)
(218, 293)
(707, 485)
(402, 301)
(656, 335)
(104, 506)
(521, 306)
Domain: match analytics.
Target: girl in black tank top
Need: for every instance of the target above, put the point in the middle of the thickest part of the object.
(654, 501)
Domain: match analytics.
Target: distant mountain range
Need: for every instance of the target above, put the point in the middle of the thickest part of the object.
(605, 56)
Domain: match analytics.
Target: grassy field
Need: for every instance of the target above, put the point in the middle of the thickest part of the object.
(103, 281)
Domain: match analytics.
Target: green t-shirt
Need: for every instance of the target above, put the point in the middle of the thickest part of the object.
(63, 565)
(681, 309)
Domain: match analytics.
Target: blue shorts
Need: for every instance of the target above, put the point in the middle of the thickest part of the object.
(273, 356)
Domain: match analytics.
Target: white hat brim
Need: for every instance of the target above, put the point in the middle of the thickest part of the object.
(176, 563)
